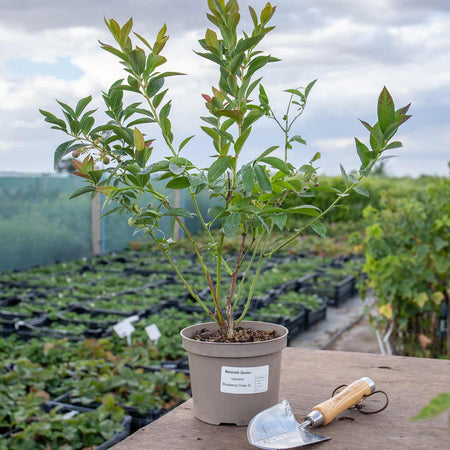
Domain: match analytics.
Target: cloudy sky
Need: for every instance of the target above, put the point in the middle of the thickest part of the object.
(49, 49)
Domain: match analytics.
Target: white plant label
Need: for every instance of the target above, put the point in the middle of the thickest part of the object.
(244, 380)
(153, 332)
(124, 328)
(132, 318)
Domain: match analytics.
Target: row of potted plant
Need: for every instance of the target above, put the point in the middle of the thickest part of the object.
(38, 377)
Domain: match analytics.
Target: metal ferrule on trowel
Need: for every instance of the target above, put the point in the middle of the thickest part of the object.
(276, 427)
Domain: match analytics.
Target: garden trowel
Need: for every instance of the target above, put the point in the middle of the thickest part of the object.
(276, 427)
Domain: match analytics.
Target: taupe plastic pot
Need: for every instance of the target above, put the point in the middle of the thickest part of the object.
(231, 383)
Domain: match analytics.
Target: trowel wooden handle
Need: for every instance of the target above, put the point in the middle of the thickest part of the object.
(347, 398)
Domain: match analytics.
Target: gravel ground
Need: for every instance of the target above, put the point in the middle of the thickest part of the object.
(345, 329)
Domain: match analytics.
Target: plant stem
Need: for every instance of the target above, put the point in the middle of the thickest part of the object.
(229, 309)
(244, 276)
(186, 284)
(219, 266)
(205, 270)
(255, 278)
(207, 230)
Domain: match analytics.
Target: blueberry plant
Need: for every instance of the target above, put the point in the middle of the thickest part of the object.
(116, 156)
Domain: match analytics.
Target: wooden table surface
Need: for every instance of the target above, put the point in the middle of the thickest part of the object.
(309, 377)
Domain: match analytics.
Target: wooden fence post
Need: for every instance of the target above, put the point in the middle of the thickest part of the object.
(96, 225)
(177, 204)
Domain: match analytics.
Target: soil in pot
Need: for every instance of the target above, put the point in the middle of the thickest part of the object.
(241, 335)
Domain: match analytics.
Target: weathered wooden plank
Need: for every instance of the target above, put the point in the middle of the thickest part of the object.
(308, 377)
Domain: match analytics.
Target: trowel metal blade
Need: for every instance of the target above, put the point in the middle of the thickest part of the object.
(276, 428)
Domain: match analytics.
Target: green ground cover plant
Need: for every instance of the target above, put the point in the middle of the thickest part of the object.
(308, 300)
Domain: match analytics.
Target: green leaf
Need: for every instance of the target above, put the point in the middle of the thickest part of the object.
(366, 125)
(362, 191)
(267, 152)
(218, 167)
(252, 117)
(137, 60)
(307, 168)
(124, 133)
(386, 109)
(376, 137)
(395, 144)
(81, 105)
(299, 139)
(244, 44)
(180, 212)
(138, 140)
(86, 124)
(236, 62)
(234, 114)
(178, 183)
(175, 169)
(210, 56)
(279, 220)
(157, 99)
(277, 163)
(211, 132)
(167, 74)
(326, 189)
(156, 167)
(68, 110)
(114, 51)
(81, 191)
(257, 63)
(247, 178)
(165, 110)
(421, 299)
(437, 406)
(211, 38)
(62, 151)
(308, 210)
(262, 179)
(143, 40)
(142, 157)
(184, 142)
(240, 141)
(140, 121)
(363, 153)
(51, 118)
(154, 60)
(214, 211)
(309, 87)
(231, 224)
(254, 16)
(154, 86)
(344, 174)
(319, 228)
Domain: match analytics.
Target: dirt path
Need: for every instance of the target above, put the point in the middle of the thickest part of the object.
(346, 329)
(359, 338)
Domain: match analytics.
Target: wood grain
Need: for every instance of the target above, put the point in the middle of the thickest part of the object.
(309, 377)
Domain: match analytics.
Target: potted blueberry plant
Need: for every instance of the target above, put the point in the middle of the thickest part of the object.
(115, 158)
